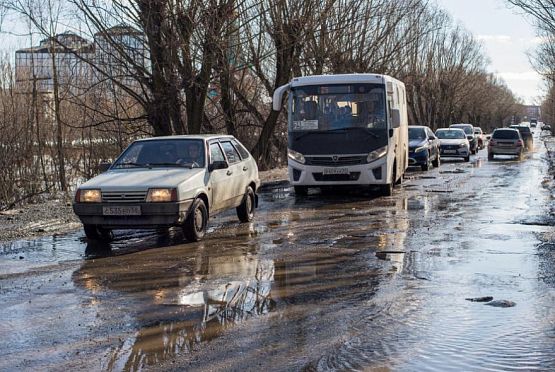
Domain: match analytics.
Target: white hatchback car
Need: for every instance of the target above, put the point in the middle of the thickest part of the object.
(170, 181)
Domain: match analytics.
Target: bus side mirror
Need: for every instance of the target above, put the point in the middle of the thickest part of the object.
(395, 118)
(277, 100)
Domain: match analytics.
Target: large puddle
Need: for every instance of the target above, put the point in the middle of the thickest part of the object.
(326, 282)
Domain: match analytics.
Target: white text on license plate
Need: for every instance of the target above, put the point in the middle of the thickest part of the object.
(122, 211)
(336, 170)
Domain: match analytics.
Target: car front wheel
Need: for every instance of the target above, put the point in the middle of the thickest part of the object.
(437, 161)
(194, 227)
(245, 212)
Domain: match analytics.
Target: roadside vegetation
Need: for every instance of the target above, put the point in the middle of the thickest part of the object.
(211, 67)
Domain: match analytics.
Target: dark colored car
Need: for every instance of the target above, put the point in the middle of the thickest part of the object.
(423, 147)
(526, 134)
(505, 141)
(469, 131)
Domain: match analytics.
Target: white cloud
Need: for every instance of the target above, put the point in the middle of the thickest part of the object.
(504, 39)
(529, 75)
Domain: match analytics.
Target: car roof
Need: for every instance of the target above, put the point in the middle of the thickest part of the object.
(511, 129)
(461, 125)
(204, 137)
(447, 129)
(418, 126)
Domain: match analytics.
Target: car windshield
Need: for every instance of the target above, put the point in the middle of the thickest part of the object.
(163, 153)
(450, 134)
(417, 133)
(467, 129)
(477, 131)
(505, 134)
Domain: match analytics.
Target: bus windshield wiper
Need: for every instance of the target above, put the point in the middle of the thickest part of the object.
(365, 130)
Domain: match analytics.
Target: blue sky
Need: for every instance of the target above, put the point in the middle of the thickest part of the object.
(507, 37)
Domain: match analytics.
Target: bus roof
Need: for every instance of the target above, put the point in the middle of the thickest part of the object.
(342, 79)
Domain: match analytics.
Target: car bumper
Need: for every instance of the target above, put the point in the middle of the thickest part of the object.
(152, 215)
(418, 158)
(504, 150)
(454, 153)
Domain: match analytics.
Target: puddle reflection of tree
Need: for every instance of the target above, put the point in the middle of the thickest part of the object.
(205, 292)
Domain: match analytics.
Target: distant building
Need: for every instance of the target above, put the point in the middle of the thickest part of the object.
(117, 51)
(120, 52)
(532, 112)
(36, 64)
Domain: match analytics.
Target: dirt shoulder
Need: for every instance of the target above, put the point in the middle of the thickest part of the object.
(55, 215)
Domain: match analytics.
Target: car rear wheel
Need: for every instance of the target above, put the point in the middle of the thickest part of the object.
(95, 232)
(245, 212)
(194, 227)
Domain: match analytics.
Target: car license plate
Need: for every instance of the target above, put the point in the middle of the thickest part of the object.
(450, 151)
(336, 171)
(122, 211)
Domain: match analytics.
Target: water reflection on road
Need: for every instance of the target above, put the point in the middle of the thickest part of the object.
(326, 282)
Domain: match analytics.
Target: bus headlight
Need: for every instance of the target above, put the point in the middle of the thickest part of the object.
(296, 156)
(376, 154)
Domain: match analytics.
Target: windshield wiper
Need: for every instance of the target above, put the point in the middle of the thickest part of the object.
(130, 163)
(365, 130)
(181, 165)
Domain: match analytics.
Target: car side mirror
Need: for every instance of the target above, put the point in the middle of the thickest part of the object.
(103, 166)
(217, 165)
(395, 118)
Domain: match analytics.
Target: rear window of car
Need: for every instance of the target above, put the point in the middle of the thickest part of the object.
(523, 129)
(505, 134)
(244, 153)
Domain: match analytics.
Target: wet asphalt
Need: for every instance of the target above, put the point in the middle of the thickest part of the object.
(337, 280)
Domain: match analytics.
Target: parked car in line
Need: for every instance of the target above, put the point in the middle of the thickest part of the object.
(526, 134)
(170, 181)
(453, 143)
(469, 131)
(423, 147)
(480, 137)
(505, 141)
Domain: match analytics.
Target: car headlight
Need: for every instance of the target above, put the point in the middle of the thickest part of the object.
(88, 196)
(376, 154)
(421, 148)
(462, 145)
(161, 195)
(296, 156)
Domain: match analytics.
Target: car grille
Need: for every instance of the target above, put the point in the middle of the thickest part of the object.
(353, 176)
(338, 161)
(123, 196)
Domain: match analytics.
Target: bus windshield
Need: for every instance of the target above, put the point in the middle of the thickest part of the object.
(338, 107)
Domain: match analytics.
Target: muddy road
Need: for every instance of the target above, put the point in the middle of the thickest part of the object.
(324, 282)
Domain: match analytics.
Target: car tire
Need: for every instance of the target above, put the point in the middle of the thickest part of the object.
(467, 159)
(95, 232)
(194, 227)
(245, 211)
(301, 190)
(437, 161)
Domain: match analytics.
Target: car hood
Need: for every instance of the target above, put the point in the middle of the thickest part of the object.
(141, 179)
(454, 141)
(416, 143)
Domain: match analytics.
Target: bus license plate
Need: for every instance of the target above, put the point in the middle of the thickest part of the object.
(328, 171)
(122, 211)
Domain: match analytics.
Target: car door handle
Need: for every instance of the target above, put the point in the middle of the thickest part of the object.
(229, 172)
(245, 168)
